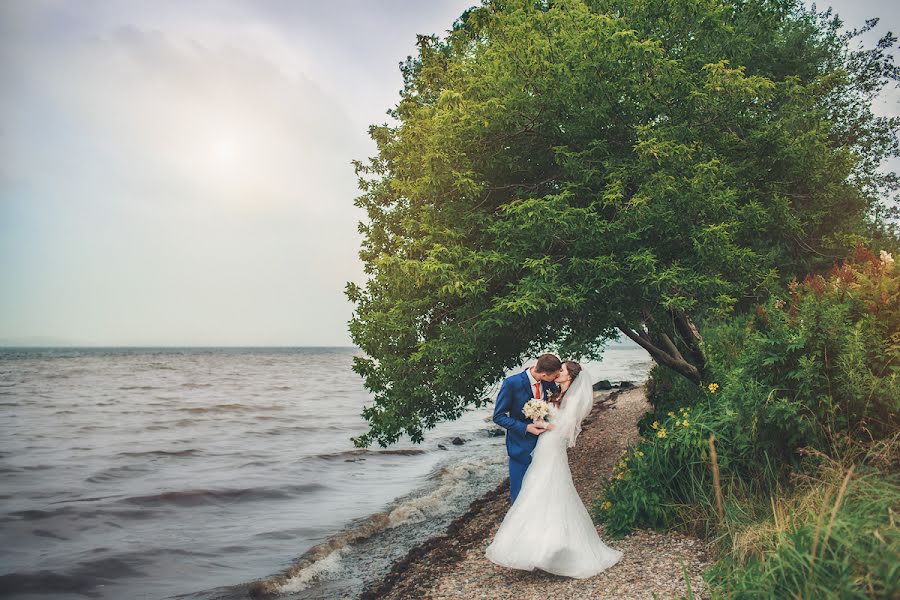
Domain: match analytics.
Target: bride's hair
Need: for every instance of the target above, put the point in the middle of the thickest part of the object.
(574, 369)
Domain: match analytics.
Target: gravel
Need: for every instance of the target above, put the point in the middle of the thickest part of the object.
(454, 566)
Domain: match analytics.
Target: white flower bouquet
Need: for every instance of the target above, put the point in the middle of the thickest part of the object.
(536, 410)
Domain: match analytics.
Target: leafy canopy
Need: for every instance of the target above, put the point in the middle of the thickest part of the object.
(558, 168)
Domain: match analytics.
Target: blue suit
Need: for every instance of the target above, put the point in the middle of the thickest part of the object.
(515, 391)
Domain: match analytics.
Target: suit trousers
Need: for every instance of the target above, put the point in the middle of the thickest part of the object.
(517, 470)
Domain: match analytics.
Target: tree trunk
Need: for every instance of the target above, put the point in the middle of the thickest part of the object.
(691, 337)
(666, 353)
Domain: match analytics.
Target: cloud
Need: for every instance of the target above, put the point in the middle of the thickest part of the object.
(157, 188)
(218, 124)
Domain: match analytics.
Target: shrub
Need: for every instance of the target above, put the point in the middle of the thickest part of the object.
(816, 369)
(833, 349)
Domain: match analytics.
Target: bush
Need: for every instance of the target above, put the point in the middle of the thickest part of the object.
(833, 349)
(816, 369)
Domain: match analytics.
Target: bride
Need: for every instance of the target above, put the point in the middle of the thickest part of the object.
(548, 527)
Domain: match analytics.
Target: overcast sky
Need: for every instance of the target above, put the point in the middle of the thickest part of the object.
(178, 172)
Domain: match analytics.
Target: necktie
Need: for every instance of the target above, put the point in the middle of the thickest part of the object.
(537, 390)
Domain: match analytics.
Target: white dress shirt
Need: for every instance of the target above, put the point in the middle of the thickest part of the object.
(533, 381)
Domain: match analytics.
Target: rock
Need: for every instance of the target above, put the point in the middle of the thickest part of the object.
(496, 432)
(442, 447)
(603, 384)
(458, 441)
(626, 384)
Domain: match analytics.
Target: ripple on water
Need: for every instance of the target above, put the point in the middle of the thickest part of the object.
(113, 474)
(186, 498)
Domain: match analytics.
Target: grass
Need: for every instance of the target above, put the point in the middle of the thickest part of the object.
(833, 535)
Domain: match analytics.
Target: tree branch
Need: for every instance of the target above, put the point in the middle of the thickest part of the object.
(661, 356)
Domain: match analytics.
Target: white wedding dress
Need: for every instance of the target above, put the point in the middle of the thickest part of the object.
(548, 527)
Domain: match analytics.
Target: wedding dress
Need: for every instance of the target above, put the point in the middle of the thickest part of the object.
(548, 527)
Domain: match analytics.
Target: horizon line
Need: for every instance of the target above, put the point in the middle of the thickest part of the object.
(140, 346)
(175, 346)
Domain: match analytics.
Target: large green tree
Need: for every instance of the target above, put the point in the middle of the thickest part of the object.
(563, 172)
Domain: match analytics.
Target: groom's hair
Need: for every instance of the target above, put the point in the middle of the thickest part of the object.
(548, 363)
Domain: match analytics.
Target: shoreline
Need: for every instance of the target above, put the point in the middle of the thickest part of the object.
(452, 564)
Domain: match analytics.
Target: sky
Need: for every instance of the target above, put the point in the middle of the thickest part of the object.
(178, 173)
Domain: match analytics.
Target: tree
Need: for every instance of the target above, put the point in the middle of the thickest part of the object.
(565, 171)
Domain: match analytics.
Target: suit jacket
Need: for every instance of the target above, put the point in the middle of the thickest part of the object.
(514, 393)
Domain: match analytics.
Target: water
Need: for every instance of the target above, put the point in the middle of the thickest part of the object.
(159, 473)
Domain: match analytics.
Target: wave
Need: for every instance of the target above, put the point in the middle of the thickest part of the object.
(96, 427)
(118, 473)
(84, 579)
(229, 406)
(187, 422)
(34, 514)
(187, 498)
(187, 452)
(326, 557)
(359, 452)
(70, 512)
(48, 534)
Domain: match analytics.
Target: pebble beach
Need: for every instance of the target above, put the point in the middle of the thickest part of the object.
(453, 565)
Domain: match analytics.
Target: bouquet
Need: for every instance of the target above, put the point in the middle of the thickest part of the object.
(536, 410)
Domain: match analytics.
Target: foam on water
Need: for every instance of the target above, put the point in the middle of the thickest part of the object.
(450, 491)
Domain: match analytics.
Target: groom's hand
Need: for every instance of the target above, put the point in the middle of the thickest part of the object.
(535, 429)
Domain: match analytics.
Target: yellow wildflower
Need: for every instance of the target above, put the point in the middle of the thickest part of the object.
(671, 414)
(713, 387)
(685, 423)
(661, 433)
(655, 425)
(606, 505)
(639, 453)
(678, 423)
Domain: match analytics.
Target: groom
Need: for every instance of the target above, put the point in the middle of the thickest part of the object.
(521, 433)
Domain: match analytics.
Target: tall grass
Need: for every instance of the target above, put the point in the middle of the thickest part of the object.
(833, 536)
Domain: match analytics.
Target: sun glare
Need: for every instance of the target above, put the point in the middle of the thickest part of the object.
(225, 151)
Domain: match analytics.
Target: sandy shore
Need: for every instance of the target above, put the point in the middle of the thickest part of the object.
(453, 565)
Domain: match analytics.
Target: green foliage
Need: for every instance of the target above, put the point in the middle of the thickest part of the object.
(791, 547)
(558, 168)
(832, 350)
(809, 372)
(804, 387)
(659, 482)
